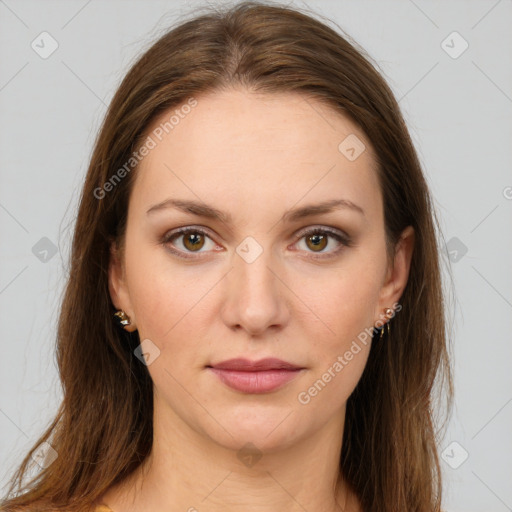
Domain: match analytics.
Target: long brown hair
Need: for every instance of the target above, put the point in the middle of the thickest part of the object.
(103, 428)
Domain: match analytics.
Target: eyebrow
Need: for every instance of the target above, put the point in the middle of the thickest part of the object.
(203, 210)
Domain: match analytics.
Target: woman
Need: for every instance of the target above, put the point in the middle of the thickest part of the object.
(254, 315)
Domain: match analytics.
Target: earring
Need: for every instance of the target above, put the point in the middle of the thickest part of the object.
(388, 312)
(121, 318)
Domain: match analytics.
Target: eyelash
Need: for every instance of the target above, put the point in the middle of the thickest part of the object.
(344, 240)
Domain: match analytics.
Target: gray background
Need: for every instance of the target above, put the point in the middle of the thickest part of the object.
(459, 108)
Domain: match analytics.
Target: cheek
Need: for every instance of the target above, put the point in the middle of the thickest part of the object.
(331, 385)
(343, 301)
(168, 298)
(344, 304)
(158, 295)
(340, 353)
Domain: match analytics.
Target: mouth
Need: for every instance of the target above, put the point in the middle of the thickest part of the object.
(261, 376)
(241, 364)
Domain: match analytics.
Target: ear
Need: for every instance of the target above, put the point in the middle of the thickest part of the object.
(117, 286)
(397, 274)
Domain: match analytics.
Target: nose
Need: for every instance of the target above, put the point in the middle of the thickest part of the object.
(256, 296)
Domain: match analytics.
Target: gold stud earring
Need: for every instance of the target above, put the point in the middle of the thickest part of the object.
(122, 319)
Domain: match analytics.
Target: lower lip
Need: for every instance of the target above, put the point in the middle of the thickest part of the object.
(255, 382)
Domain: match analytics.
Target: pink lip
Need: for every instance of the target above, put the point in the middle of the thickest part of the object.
(269, 363)
(260, 376)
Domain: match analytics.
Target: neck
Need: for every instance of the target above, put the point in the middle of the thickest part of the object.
(188, 471)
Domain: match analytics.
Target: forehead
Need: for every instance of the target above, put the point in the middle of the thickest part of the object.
(251, 147)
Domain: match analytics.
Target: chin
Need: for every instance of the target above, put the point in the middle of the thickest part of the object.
(267, 430)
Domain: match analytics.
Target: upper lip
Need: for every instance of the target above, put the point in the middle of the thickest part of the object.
(269, 363)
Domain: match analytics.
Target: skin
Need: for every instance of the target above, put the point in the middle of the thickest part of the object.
(254, 156)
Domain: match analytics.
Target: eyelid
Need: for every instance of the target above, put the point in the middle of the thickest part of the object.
(324, 229)
(186, 229)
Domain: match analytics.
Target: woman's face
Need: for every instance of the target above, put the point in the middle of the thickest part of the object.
(250, 176)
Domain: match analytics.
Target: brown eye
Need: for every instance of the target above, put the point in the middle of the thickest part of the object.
(184, 242)
(193, 240)
(316, 242)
